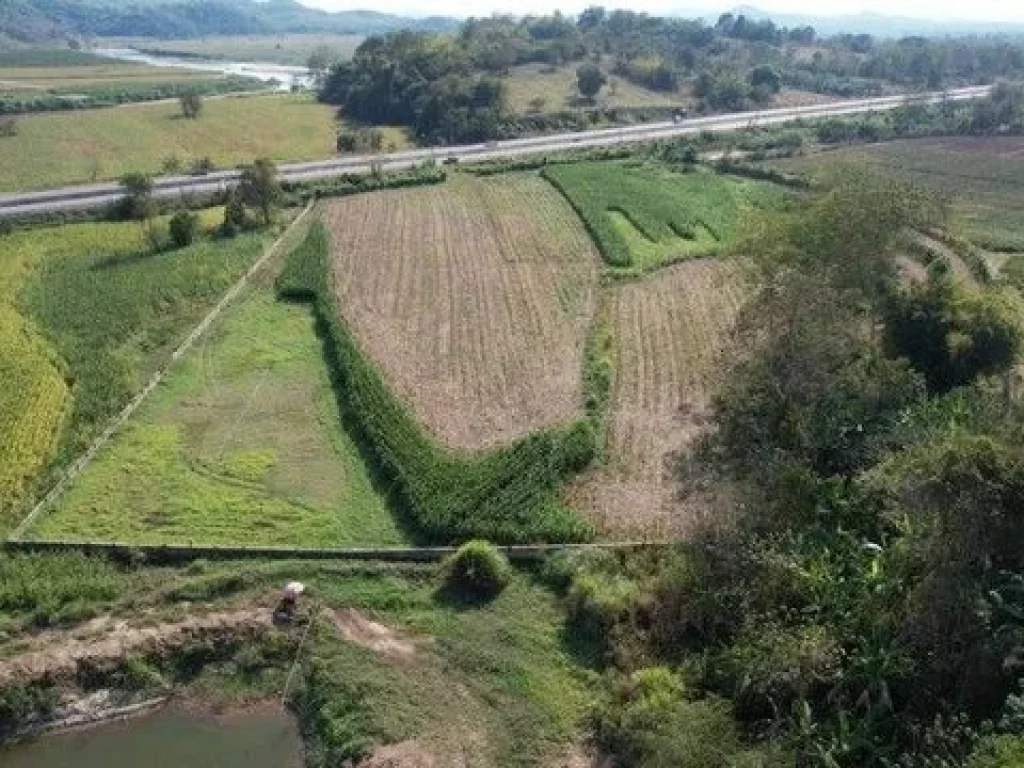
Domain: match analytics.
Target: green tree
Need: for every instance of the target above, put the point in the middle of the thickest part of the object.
(139, 201)
(260, 188)
(950, 334)
(184, 228)
(590, 79)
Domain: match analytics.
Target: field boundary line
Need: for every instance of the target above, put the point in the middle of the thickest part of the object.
(129, 410)
(186, 552)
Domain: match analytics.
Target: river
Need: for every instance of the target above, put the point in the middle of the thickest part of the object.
(266, 737)
(285, 76)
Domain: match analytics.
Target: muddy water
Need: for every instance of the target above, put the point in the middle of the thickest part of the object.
(169, 738)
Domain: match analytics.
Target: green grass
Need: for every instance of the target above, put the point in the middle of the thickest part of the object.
(68, 147)
(645, 217)
(984, 178)
(494, 681)
(293, 50)
(242, 444)
(558, 90)
(507, 495)
(85, 316)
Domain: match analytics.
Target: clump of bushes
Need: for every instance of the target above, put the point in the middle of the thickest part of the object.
(478, 567)
(184, 228)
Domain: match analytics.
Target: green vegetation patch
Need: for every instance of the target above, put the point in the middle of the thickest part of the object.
(646, 216)
(63, 148)
(497, 682)
(983, 177)
(508, 495)
(242, 444)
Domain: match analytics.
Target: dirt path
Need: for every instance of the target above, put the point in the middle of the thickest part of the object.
(105, 642)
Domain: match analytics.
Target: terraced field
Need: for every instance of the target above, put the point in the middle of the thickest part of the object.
(474, 300)
(669, 332)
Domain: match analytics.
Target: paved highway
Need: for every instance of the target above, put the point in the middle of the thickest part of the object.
(97, 195)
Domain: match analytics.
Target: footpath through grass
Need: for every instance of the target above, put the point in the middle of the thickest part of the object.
(242, 444)
(645, 216)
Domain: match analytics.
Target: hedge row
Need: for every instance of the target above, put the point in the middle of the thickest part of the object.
(508, 495)
(110, 96)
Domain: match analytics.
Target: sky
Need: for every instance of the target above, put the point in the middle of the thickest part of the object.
(976, 10)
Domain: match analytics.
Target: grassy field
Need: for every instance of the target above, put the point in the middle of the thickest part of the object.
(473, 298)
(243, 443)
(394, 664)
(558, 90)
(293, 50)
(83, 78)
(85, 315)
(669, 330)
(645, 217)
(64, 148)
(984, 178)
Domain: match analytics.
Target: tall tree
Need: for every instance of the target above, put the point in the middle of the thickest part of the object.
(260, 187)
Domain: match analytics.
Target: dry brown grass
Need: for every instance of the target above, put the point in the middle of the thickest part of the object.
(473, 298)
(670, 331)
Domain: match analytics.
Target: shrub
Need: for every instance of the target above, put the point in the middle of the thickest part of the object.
(478, 567)
(184, 228)
(191, 105)
(8, 128)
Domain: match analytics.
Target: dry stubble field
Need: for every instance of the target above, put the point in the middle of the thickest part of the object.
(474, 299)
(669, 331)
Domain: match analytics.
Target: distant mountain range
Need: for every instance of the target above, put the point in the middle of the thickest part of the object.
(881, 25)
(47, 20)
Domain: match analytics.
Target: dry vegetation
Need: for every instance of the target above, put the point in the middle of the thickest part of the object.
(669, 332)
(473, 298)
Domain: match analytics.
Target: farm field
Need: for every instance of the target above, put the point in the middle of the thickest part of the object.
(293, 50)
(242, 444)
(558, 90)
(984, 178)
(669, 330)
(104, 72)
(85, 316)
(63, 148)
(645, 217)
(474, 300)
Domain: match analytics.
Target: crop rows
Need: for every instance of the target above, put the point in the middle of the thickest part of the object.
(679, 215)
(508, 494)
(473, 299)
(670, 331)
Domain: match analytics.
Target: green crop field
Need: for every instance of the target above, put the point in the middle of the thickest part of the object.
(558, 90)
(63, 148)
(242, 444)
(293, 50)
(85, 315)
(645, 217)
(983, 177)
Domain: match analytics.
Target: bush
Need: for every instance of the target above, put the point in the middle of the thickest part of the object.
(184, 228)
(191, 105)
(478, 567)
(8, 128)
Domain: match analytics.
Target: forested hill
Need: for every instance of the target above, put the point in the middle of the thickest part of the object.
(42, 20)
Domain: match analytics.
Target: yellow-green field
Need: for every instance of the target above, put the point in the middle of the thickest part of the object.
(64, 148)
(279, 49)
(67, 79)
(558, 90)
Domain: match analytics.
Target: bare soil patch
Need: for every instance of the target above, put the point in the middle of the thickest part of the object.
(670, 331)
(406, 754)
(361, 630)
(474, 298)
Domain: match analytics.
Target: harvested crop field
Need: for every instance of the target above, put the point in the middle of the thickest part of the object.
(474, 299)
(669, 332)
